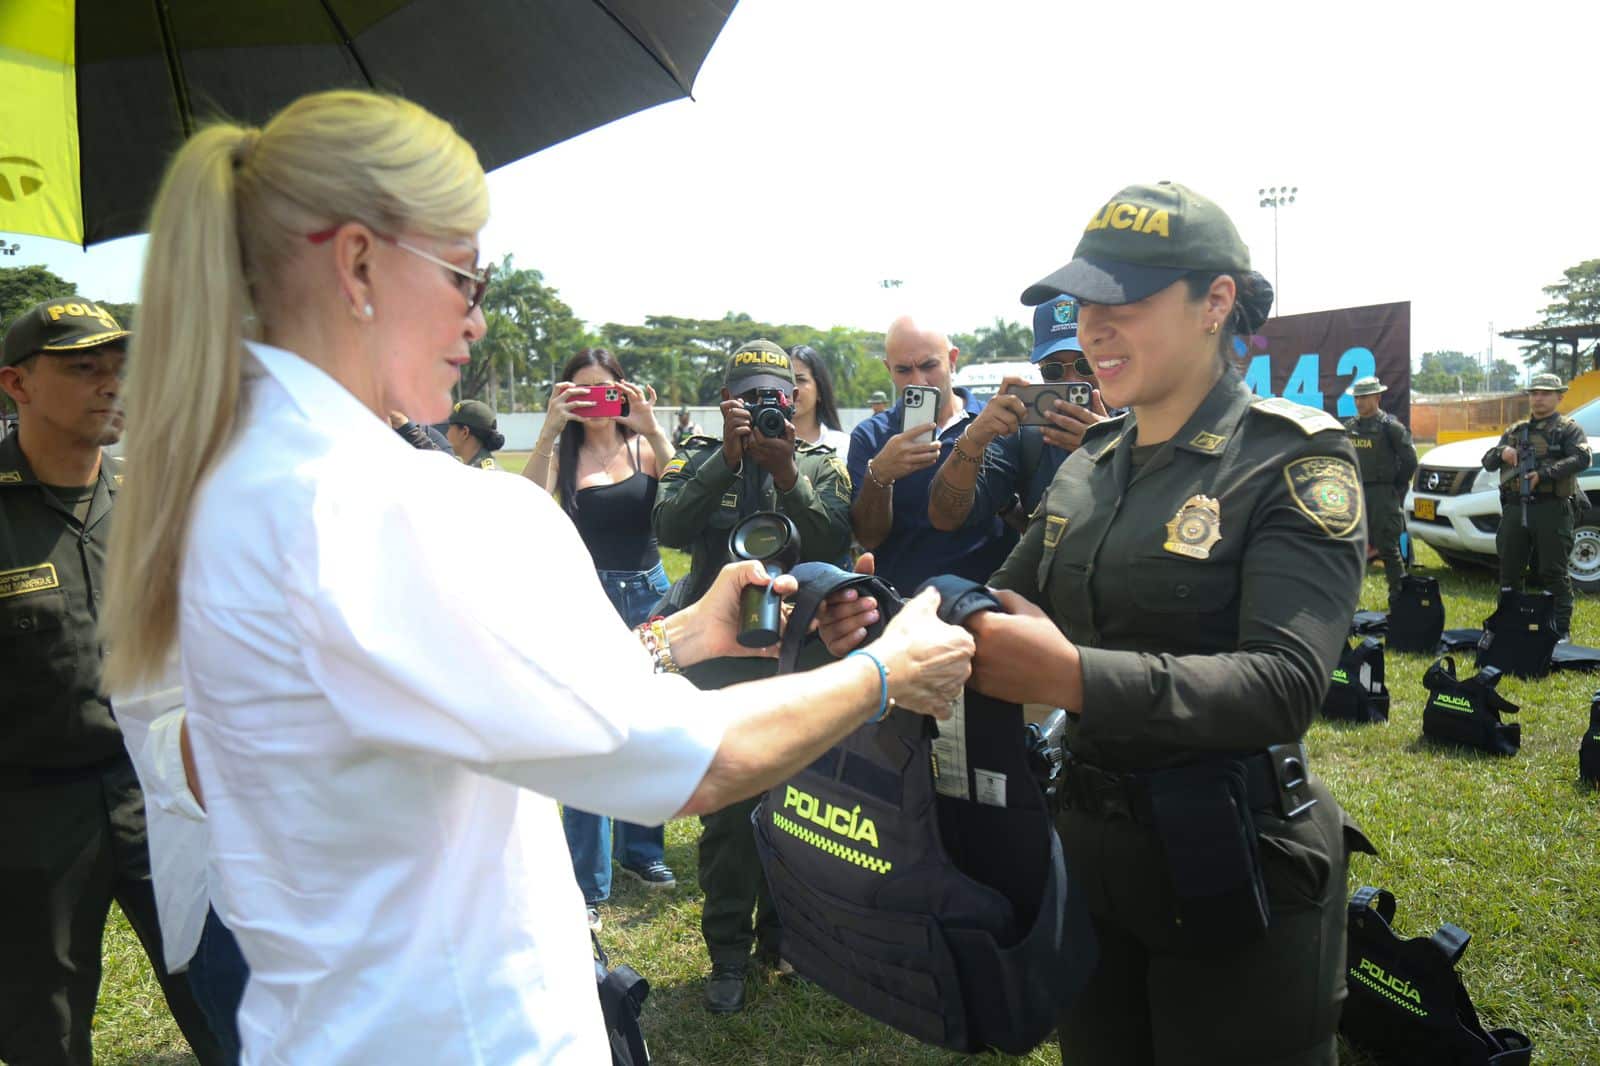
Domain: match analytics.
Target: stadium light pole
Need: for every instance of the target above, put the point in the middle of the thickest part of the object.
(1275, 197)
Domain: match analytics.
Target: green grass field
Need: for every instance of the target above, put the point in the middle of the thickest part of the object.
(1505, 848)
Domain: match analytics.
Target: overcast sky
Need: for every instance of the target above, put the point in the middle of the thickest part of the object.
(1442, 156)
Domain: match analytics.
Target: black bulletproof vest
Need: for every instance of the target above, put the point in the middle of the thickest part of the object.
(1520, 635)
(950, 920)
(1357, 692)
(622, 996)
(1416, 615)
(1407, 1005)
(1467, 711)
(1589, 747)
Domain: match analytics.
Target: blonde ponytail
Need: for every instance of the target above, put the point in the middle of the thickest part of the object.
(233, 212)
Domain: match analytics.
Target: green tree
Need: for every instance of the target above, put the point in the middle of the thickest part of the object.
(22, 287)
(1574, 301)
(530, 333)
(1443, 372)
(1002, 341)
(1502, 377)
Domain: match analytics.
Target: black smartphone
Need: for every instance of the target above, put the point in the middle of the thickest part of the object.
(1039, 400)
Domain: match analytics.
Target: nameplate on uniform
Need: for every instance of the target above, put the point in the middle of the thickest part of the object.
(28, 579)
(1054, 526)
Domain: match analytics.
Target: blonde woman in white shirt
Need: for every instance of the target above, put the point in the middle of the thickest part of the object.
(377, 719)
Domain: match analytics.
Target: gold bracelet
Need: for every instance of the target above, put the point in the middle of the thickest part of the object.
(874, 478)
(653, 635)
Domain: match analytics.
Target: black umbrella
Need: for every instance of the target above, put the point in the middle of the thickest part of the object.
(513, 76)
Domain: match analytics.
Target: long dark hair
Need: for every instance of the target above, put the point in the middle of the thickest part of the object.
(572, 433)
(827, 413)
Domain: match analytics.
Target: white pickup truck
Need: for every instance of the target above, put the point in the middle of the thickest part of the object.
(1454, 504)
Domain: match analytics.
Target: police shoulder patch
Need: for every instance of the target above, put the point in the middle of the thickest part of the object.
(841, 480)
(677, 463)
(1309, 419)
(1327, 491)
(487, 464)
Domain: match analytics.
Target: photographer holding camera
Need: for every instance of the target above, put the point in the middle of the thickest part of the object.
(1000, 466)
(705, 490)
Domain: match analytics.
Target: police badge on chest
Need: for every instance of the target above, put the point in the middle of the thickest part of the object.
(1195, 528)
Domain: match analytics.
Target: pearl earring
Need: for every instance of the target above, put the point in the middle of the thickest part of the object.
(367, 313)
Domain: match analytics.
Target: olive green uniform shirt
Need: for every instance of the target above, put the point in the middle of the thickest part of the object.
(1384, 450)
(483, 460)
(52, 715)
(697, 504)
(1562, 451)
(1209, 591)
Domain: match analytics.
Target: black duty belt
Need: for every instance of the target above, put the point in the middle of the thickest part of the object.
(1276, 782)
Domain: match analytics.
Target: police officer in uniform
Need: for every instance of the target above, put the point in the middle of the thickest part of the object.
(1388, 459)
(707, 487)
(1561, 452)
(473, 434)
(72, 821)
(1183, 590)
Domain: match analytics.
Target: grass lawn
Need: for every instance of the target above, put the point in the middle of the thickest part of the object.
(1505, 848)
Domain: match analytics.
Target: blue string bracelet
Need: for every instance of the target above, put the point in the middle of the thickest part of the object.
(885, 704)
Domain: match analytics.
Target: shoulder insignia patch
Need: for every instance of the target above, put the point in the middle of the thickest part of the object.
(1327, 491)
(10, 477)
(841, 484)
(28, 579)
(1208, 442)
(677, 463)
(1309, 419)
(487, 464)
(1054, 526)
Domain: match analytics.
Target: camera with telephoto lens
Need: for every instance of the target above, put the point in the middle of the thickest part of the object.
(770, 411)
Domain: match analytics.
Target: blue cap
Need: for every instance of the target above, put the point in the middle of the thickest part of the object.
(1055, 328)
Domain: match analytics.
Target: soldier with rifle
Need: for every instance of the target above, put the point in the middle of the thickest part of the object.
(1539, 460)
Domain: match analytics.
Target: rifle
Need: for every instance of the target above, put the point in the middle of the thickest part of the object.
(1526, 461)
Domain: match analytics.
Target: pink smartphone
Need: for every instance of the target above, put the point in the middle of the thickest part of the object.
(609, 401)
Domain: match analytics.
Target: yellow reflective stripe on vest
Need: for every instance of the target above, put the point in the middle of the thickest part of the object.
(831, 846)
(1385, 993)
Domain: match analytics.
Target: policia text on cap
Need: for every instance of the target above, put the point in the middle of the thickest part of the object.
(1183, 590)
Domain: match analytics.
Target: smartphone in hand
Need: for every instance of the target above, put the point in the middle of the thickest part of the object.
(921, 405)
(609, 401)
(1039, 401)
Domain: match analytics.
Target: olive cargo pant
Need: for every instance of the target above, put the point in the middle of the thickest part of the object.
(1547, 540)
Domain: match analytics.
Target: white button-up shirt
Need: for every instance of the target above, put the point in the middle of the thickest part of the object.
(382, 694)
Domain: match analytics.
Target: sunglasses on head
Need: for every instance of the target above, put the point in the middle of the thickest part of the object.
(1051, 370)
(471, 283)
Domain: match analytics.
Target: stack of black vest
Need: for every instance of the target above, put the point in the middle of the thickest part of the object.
(1589, 746)
(1416, 615)
(1357, 692)
(1467, 711)
(1407, 1005)
(1519, 637)
(950, 919)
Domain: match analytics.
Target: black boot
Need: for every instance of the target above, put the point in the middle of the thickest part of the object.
(725, 989)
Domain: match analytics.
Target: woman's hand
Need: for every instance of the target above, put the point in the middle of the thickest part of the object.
(709, 628)
(1023, 658)
(843, 618)
(562, 409)
(928, 660)
(641, 417)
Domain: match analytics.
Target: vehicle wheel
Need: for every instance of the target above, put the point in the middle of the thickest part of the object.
(1584, 566)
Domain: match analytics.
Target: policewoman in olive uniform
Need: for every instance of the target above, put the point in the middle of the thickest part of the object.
(474, 435)
(72, 821)
(1387, 459)
(1560, 452)
(1183, 590)
(703, 494)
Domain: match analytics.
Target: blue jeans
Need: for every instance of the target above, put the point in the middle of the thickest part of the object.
(217, 976)
(589, 836)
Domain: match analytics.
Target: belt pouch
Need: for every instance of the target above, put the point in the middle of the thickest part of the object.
(1201, 815)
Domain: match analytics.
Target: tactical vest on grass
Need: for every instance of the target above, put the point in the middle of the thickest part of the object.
(1357, 692)
(1467, 711)
(1407, 1004)
(1416, 615)
(950, 919)
(1519, 637)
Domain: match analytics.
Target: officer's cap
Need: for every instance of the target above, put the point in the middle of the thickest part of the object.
(66, 324)
(1145, 238)
(1545, 383)
(759, 365)
(1367, 387)
(878, 396)
(474, 414)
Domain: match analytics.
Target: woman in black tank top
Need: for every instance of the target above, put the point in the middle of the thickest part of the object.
(604, 471)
